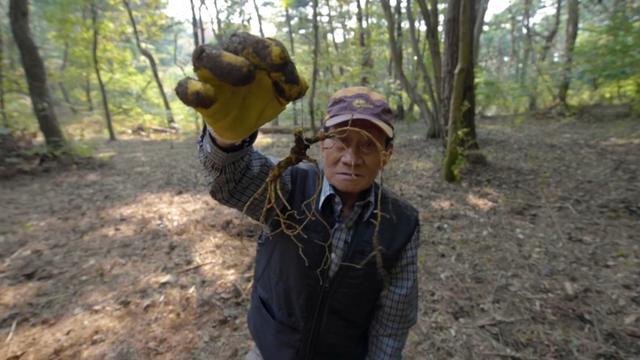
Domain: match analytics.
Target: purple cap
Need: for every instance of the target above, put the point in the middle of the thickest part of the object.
(359, 103)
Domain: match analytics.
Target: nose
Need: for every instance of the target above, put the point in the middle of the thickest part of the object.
(350, 156)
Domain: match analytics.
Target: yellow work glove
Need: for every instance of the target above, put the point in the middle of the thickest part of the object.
(242, 84)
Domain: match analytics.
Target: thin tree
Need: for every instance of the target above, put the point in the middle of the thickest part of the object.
(514, 35)
(87, 89)
(529, 57)
(430, 17)
(421, 66)
(194, 26)
(218, 20)
(96, 67)
(5, 120)
(449, 60)
(36, 74)
(434, 128)
(548, 39)
(175, 47)
(213, 27)
(63, 89)
(314, 76)
(287, 15)
(367, 62)
(200, 23)
(255, 5)
(570, 41)
(464, 61)
(342, 19)
(154, 68)
(398, 94)
(481, 7)
(332, 31)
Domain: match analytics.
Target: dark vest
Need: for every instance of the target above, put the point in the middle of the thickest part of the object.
(297, 311)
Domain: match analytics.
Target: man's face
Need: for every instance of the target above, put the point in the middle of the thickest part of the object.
(352, 159)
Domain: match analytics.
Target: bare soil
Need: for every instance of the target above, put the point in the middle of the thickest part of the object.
(535, 255)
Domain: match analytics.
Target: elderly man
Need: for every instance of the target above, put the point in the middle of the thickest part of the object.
(319, 293)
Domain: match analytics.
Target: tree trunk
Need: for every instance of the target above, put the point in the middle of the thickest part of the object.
(548, 40)
(63, 89)
(255, 5)
(433, 126)
(480, 10)
(152, 62)
(175, 47)
(200, 24)
(343, 24)
(287, 15)
(87, 90)
(314, 76)
(5, 120)
(450, 61)
(66, 97)
(331, 78)
(367, 35)
(96, 67)
(514, 60)
(332, 31)
(194, 26)
(529, 57)
(398, 94)
(430, 17)
(570, 41)
(35, 73)
(422, 67)
(465, 58)
(217, 36)
(365, 52)
(244, 21)
(218, 20)
(469, 140)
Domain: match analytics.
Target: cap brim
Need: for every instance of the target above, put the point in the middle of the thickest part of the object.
(354, 116)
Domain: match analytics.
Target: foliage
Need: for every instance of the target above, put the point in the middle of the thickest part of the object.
(609, 60)
(606, 61)
(607, 64)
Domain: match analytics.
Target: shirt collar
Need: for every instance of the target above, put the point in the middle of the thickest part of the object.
(328, 191)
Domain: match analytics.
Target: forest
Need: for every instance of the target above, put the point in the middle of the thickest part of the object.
(518, 140)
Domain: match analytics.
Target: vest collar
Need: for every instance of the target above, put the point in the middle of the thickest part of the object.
(329, 192)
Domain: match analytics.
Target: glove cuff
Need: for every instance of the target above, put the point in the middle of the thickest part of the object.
(231, 146)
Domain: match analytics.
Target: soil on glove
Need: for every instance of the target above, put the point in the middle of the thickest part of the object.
(534, 255)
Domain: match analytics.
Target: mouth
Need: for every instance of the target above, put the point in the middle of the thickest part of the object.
(349, 175)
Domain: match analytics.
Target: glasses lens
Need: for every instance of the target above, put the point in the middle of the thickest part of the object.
(342, 140)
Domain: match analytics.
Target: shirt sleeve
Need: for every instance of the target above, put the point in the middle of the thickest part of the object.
(237, 177)
(397, 309)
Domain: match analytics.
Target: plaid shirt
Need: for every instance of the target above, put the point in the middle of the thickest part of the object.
(234, 177)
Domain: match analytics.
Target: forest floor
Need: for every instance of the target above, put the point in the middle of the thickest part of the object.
(535, 255)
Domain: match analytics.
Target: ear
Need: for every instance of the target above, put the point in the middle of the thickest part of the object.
(386, 155)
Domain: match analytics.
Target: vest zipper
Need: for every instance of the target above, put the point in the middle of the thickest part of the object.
(323, 291)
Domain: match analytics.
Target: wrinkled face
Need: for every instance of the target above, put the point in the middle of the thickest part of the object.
(352, 159)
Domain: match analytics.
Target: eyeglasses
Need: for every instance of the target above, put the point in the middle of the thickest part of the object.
(343, 140)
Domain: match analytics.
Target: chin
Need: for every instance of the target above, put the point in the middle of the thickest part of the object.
(350, 187)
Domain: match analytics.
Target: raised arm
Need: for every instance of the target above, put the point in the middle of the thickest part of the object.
(241, 84)
(236, 172)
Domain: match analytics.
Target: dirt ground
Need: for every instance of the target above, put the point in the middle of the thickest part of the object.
(535, 255)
